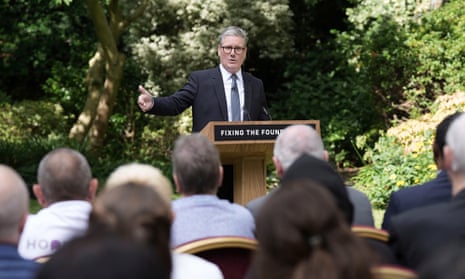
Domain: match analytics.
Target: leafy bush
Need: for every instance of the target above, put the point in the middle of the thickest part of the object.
(30, 119)
(403, 156)
(24, 155)
(438, 42)
(323, 86)
(391, 169)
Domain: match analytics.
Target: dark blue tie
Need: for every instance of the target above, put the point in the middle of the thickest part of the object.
(235, 102)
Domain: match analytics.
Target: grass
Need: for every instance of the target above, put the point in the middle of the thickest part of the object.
(34, 206)
(378, 215)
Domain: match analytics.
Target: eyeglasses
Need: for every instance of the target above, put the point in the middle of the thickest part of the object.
(228, 49)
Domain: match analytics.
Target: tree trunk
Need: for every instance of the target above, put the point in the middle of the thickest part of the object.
(94, 82)
(114, 72)
(104, 74)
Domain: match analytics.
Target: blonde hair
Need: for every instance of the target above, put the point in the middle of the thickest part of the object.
(137, 173)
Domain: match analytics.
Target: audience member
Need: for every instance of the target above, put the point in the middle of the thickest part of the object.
(419, 233)
(320, 171)
(446, 263)
(197, 173)
(14, 207)
(296, 140)
(302, 234)
(65, 190)
(91, 257)
(139, 212)
(141, 174)
(434, 191)
(310, 167)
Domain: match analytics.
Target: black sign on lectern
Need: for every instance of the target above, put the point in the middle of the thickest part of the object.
(247, 132)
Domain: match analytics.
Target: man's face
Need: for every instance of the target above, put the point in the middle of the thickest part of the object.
(232, 53)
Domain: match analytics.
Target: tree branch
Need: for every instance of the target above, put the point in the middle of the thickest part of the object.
(102, 29)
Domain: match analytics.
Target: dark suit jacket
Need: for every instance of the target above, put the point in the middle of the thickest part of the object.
(363, 213)
(418, 234)
(204, 91)
(432, 192)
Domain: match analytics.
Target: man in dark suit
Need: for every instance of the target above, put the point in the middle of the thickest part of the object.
(296, 140)
(418, 234)
(223, 93)
(210, 92)
(434, 191)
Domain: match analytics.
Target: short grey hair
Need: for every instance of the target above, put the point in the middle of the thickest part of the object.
(233, 31)
(196, 164)
(455, 140)
(296, 140)
(64, 174)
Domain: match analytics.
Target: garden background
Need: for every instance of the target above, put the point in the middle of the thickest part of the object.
(378, 74)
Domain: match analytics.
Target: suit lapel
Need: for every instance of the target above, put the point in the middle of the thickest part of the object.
(247, 95)
(218, 88)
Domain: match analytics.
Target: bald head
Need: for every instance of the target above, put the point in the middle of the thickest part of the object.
(456, 143)
(454, 154)
(296, 140)
(14, 204)
(64, 174)
(136, 173)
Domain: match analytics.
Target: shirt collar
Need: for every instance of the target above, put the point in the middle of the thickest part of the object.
(226, 75)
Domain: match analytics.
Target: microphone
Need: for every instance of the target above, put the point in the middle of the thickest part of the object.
(266, 113)
(247, 114)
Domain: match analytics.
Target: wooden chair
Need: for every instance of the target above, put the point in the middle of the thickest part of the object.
(371, 233)
(232, 254)
(377, 239)
(393, 272)
(42, 260)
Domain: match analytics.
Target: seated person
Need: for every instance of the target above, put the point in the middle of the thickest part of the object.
(197, 173)
(139, 212)
(14, 207)
(297, 140)
(303, 234)
(322, 172)
(434, 191)
(93, 257)
(141, 174)
(65, 191)
(417, 234)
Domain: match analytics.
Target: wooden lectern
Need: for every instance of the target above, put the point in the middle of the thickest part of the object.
(248, 147)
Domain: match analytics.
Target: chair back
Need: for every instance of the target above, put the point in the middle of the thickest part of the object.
(393, 272)
(371, 233)
(233, 255)
(377, 239)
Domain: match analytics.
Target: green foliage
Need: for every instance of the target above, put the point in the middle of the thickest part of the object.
(24, 155)
(32, 119)
(28, 129)
(438, 41)
(34, 37)
(403, 156)
(323, 86)
(391, 168)
(389, 60)
(184, 35)
(376, 49)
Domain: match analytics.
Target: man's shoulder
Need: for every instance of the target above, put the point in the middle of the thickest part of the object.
(426, 214)
(256, 203)
(13, 266)
(206, 72)
(430, 191)
(356, 194)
